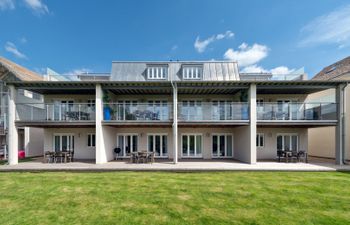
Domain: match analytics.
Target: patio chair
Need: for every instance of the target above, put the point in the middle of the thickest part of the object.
(294, 155)
(302, 154)
(280, 154)
(58, 156)
(150, 157)
(70, 156)
(49, 157)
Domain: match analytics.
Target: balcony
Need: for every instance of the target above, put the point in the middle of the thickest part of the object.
(297, 112)
(216, 111)
(51, 112)
(141, 112)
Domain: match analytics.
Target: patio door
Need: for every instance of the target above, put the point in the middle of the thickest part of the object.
(191, 145)
(287, 142)
(222, 110)
(222, 145)
(127, 143)
(63, 142)
(191, 110)
(60, 108)
(158, 143)
(160, 109)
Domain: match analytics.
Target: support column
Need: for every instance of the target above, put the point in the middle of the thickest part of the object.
(13, 132)
(101, 156)
(175, 147)
(339, 130)
(252, 125)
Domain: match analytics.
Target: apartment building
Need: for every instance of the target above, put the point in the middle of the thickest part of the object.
(322, 140)
(30, 138)
(178, 110)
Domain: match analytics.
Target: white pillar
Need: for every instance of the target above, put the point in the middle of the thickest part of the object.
(175, 123)
(252, 125)
(101, 156)
(12, 129)
(339, 130)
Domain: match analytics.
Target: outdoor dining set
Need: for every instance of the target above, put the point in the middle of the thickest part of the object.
(292, 156)
(137, 157)
(58, 156)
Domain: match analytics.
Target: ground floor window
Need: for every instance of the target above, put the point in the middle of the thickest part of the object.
(192, 145)
(287, 142)
(222, 145)
(127, 143)
(91, 140)
(260, 140)
(63, 142)
(158, 143)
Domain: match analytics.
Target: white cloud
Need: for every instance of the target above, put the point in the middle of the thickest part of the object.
(78, 71)
(331, 28)
(247, 55)
(174, 47)
(23, 40)
(7, 4)
(10, 47)
(37, 6)
(275, 71)
(201, 46)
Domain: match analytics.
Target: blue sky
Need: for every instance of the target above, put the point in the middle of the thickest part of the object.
(271, 35)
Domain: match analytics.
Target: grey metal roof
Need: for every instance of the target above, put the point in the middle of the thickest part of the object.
(212, 70)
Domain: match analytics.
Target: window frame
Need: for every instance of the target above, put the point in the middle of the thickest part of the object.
(157, 72)
(90, 137)
(161, 155)
(192, 72)
(218, 135)
(258, 136)
(195, 145)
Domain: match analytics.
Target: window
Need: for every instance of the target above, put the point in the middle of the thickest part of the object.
(63, 142)
(222, 145)
(127, 143)
(157, 72)
(287, 142)
(260, 140)
(126, 110)
(192, 72)
(91, 140)
(158, 143)
(191, 110)
(191, 145)
(91, 103)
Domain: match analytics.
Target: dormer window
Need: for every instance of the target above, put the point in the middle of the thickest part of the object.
(157, 72)
(192, 72)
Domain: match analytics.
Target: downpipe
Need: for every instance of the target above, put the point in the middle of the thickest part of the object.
(344, 120)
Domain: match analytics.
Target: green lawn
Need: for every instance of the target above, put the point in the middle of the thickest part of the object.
(175, 198)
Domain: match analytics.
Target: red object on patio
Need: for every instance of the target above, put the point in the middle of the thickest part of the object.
(21, 154)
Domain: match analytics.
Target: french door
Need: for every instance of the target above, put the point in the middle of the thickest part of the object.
(192, 145)
(158, 143)
(222, 145)
(192, 110)
(160, 108)
(127, 143)
(222, 110)
(287, 142)
(61, 108)
(63, 142)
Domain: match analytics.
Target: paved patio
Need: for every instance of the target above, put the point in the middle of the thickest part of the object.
(182, 166)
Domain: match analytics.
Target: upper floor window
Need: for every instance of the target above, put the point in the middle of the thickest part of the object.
(157, 72)
(192, 72)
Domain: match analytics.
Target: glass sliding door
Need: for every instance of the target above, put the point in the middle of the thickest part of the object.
(158, 143)
(287, 142)
(128, 143)
(191, 110)
(63, 142)
(222, 145)
(222, 110)
(192, 145)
